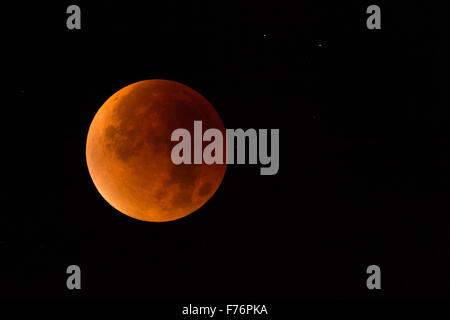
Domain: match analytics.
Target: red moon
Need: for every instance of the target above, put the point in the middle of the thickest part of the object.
(128, 151)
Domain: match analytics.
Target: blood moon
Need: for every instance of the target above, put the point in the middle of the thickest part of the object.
(128, 151)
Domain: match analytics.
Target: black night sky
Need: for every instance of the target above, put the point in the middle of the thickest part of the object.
(364, 151)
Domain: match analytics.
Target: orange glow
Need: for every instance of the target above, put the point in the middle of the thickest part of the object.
(128, 151)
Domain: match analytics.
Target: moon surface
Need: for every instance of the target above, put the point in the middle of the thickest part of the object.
(129, 145)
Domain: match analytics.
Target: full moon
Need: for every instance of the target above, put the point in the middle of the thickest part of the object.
(128, 151)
